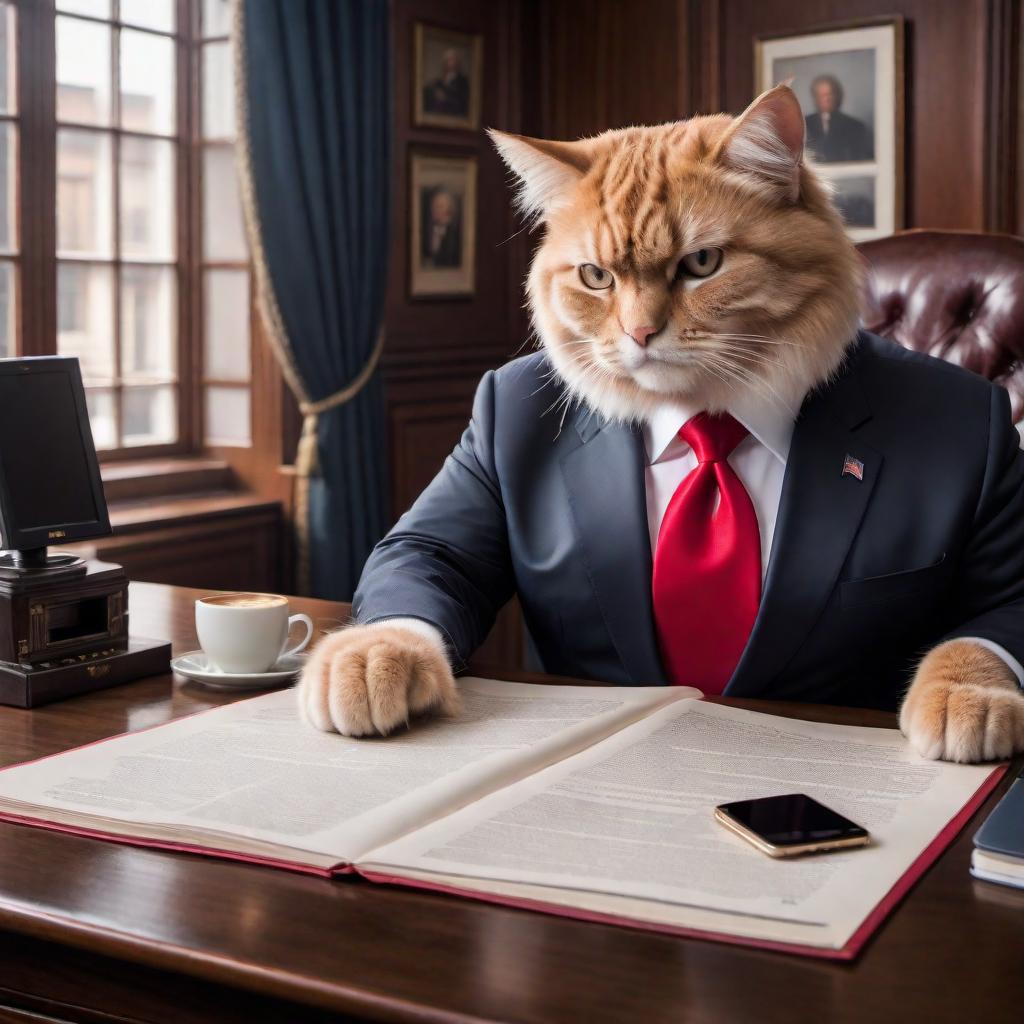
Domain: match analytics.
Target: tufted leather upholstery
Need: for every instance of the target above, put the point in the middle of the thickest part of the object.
(952, 294)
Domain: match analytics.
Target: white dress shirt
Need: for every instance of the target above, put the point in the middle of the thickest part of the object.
(759, 461)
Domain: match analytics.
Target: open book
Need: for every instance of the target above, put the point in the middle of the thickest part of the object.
(588, 801)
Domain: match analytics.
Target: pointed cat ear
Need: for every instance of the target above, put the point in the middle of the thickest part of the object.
(547, 171)
(767, 141)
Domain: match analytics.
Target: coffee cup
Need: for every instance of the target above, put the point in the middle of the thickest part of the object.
(247, 633)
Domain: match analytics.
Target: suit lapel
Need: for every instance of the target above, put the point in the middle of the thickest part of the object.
(604, 477)
(819, 514)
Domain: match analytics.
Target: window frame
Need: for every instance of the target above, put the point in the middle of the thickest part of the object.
(271, 426)
(201, 265)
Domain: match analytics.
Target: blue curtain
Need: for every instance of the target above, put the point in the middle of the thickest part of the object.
(316, 77)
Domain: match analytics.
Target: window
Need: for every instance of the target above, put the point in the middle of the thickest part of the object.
(118, 134)
(227, 358)
(137, 262)
(8, 182)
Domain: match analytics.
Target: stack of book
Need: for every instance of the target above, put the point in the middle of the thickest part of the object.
(999, 843)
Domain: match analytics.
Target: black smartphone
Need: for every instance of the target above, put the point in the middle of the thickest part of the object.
(786, 826)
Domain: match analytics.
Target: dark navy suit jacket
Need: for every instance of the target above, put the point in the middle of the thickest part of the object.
(864, 576)
(846, 138)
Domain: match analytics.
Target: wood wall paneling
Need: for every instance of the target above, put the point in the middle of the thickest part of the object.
(605, 64)
(608, 64)
(1019, 218)
(422, 435)
(438, 348)
(235, 549)
(427, 329)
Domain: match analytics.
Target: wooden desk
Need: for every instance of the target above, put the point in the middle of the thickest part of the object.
(93, 931)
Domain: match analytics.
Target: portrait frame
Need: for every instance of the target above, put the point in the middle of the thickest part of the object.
(442, 265)
(864, 158)
(427, 41)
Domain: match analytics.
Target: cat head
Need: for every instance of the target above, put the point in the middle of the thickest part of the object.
(693, 260)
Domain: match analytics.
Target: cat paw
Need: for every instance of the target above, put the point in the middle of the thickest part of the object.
(368, 680)
(964, 705)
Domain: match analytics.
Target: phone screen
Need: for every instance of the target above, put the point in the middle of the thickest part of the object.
(792, 820)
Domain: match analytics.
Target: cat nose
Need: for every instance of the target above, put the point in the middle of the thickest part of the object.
(641, 334)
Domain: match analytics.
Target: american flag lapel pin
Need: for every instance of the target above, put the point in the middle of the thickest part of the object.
(853, 467)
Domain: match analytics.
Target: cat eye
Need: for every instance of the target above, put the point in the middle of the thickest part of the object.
(702, 263)
(594, 276)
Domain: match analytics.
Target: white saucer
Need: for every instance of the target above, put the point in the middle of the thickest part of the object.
(197, 666)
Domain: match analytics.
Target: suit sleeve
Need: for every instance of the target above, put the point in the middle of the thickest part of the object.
(990, 584)
(446, 561)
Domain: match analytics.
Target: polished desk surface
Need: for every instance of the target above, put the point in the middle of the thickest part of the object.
(93, 930)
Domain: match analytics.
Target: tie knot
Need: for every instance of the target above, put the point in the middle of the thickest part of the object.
(712, 438)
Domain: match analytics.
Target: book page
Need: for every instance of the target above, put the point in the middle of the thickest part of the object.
(253, 770)
(627, 827)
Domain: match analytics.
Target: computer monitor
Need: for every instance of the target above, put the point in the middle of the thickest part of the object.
(50, 486)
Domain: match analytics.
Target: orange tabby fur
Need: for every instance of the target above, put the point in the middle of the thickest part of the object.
(368, 680)
(964, 705)
(776, 317)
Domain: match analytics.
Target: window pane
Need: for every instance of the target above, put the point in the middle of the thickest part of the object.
(85, 318)
(8, 308)
(148, 322)
(227, 416)
(84, 222)
(216, 18)
(226, 325)
(218, 91)
(83, 71)
(147, 198)
(223, 230)
(100, 404)
(8, 187)
(158, 14)
(96, 8)
(147, 415)
(147, 82)
(8, 45)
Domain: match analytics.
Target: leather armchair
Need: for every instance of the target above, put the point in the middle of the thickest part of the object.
(955, 295)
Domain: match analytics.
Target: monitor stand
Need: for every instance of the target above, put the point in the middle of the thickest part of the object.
(37, 562)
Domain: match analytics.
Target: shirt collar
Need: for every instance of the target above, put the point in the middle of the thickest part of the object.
(770, 423)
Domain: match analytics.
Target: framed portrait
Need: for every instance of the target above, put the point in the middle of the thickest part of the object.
(447, 78)
(442, 214)
(849, 80)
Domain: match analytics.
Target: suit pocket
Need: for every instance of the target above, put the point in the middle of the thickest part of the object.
(893, 586)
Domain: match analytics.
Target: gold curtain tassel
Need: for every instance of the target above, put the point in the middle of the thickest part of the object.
(307, 456)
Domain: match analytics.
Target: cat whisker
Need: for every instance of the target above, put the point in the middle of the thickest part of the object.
(759, 338)
(590, 371)
(739, 355)
(718, 365)
(756, 340)
(533, 338)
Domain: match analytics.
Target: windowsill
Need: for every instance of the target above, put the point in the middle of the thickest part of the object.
(174, 491)
(147, 479)
(137, 516)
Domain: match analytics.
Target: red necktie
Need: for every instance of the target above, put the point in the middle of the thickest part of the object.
(707, 566)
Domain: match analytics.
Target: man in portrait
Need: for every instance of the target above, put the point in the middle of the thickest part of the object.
(449, 92)
(833, 136)
(442, 245)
